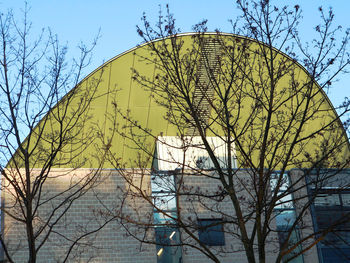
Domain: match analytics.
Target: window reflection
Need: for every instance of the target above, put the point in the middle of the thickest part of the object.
(168, 250)
(285, 217)
(211, 232)
(167, 235)
(332, 212)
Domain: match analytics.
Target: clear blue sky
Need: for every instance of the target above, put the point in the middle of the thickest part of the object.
(79, 20)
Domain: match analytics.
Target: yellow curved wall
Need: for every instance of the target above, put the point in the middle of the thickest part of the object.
(118, 87)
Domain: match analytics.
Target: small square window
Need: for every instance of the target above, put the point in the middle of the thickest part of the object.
(211, 232)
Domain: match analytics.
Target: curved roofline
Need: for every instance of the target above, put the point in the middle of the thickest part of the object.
(191, 34)
(222, 34)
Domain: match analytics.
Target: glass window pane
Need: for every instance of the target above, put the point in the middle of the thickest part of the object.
(285, 202)
(327, 200)
(337, 239)
(161, 218)
(331, 211)
(332, 255)
(210, 232)
(167, 239)
(284, 183)
(164, 201)
(346, 199)
(293, 239)
(162, 182)
(285, 219)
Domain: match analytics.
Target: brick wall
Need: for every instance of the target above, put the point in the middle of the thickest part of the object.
(86, 213)
(193, 208)
(113, 243)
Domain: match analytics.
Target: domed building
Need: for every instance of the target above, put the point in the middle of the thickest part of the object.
(178, 147)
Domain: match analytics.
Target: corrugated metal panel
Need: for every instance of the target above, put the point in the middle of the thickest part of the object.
(189, 152)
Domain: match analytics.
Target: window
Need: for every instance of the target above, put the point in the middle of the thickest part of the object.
(168, 250)
(173, 152)
(167, 235)
(164, 197)
(331, 209)
(285, 217)
(211, 232)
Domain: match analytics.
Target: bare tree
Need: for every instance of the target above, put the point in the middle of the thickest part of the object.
(253, 128)
(37, 192)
